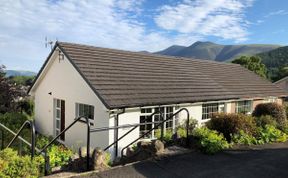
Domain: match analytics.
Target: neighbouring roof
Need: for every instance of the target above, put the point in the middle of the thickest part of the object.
(283, 83)
(132, 79)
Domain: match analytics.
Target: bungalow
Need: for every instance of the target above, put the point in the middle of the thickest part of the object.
(101, 83)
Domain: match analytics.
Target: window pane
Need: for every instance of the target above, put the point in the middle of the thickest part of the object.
(209, 109)
(146, 110)
(243, 106)
(58, 103)
(58, 113)
(58, 124)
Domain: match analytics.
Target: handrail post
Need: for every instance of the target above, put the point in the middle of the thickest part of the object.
(2, 139)
(162, 128)
(187, 127)
(46, 163)
(88, 143)
(33, 138)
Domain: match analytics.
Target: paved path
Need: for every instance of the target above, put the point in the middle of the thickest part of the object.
(266, 161)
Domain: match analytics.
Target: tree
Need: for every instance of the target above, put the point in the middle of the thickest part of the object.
(280, 73)
(252, 63)
(9, 93)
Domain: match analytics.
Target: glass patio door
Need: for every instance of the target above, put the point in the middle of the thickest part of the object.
(59, 118)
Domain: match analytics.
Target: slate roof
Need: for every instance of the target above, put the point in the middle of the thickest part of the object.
(131, 79)
(283, 83)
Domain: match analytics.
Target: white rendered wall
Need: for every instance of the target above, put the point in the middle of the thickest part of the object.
(65, 83)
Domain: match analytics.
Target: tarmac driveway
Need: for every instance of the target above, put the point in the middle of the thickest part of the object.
(265, 161)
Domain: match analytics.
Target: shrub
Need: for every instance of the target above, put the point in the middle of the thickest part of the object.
(167, 134)
(273, 109)
(12, 165)
(59, 155)
(192, 125)
(264, 120)
(14, 121)
(229, 124)
(244, 138)
(26, 106)
(209, 141)
(271, 134)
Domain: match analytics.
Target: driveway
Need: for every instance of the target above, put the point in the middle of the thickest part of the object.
(261, 161)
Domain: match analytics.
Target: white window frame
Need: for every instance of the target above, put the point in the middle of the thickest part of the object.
(211, 108)
(245, 105)
(165, 116)
(57, 130)
(77, 112)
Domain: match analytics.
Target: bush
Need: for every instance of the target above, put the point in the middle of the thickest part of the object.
(192, 125)
(12, 165)
(167, 134)
(264, 120)
(209, 141)
(26, 106)
(244, 138)
(59, 155)
(271, 134)
(14, 121)
(229, 124)
(273, 109)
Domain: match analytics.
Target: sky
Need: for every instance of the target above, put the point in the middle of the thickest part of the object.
(134, 25)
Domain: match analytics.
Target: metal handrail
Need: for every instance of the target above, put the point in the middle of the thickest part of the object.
(44, 149)
(146, 133)
(16, 135)
(19, 137)
(135, 126)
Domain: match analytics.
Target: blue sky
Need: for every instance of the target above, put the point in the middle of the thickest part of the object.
(134, 25)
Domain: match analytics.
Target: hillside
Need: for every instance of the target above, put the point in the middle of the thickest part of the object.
(217, 52)
(19, 73)
(276, 62)
(275, 58)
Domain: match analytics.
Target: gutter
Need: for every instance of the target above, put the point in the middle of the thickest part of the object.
(116, 130)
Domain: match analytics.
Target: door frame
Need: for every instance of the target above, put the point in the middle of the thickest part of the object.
(59, 118)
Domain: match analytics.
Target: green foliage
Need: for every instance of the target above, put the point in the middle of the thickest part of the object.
(9, 93)
(229, 124)
(12, 165)
(252, 63)
(209, 141)
(244, 138)
(271, 134)
(59, 155)
(23, 80)
(14, 121)
(192, 124)
(108, 160)
(273, 109)
(26, 106)
(167, 134)
(276, 61)
(264, 120)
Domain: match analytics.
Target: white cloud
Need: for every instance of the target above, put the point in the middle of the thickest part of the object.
(105, 23)
(278, 12)
(111, 23)
(220, 18)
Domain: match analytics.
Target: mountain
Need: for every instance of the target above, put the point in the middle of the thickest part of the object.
(275, 58)
(19, 73)
(217, 52)
(276, 62)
